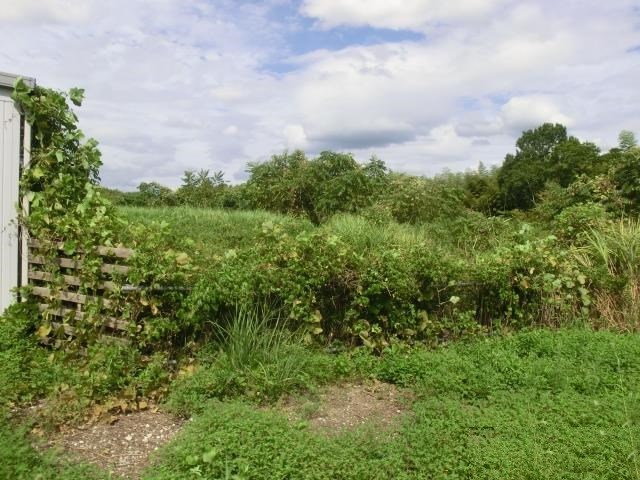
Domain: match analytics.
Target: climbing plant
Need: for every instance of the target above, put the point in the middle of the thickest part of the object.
(67, 212)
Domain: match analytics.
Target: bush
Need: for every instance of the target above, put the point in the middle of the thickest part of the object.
(318, 188)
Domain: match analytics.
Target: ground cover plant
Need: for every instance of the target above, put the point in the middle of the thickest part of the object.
(508, 315)
(536, 404)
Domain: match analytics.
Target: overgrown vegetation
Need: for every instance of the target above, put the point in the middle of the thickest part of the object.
(317, 270)
(533, 405)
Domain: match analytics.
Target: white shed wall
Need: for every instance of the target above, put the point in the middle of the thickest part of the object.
(9, 180)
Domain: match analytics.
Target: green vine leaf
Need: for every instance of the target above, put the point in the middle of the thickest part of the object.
(76, 95)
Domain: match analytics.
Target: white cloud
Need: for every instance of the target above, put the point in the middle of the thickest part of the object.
(522, 113)
(295, 136)
(230, 130)
(399, 14)
(170, 83)
(228, 93)
(43, 11)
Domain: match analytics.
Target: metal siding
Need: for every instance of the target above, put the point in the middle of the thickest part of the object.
(26, 161)
(9, 176)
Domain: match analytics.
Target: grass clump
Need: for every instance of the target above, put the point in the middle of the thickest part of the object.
(612, 255)
(254, 356)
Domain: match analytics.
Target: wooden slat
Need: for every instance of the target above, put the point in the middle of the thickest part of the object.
(110, 322)
(67, 296)
(119, 252)
(63, 262)
(111, 269)
(68, 329)
(103, 250)
(77, 264)
(69, 280)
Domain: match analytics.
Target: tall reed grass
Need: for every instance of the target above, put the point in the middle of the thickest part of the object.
(255, 340)
(614, 251)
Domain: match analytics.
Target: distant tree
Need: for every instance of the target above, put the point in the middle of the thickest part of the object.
(544, 154)
(524, 174)
(332, 182)
(414, 199)
(627, 140)
(202, 189)
(152, 194)
(115, 196)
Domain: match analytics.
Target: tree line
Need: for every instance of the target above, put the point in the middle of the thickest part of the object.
(547, 164)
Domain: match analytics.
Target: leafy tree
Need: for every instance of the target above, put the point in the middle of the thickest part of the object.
(545, 154)
(571, 159)
(524, 174)
(482, 190)
(333, 182)
(627, 176)
(153, 194)
(627, 140)
(340, 184)
(414, 199)
(201, 189)
(280, 184)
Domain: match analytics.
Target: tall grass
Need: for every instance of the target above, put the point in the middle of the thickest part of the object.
(212, 231)
(365, 235)
(255, 336)
(255, 340)
(615, 249)
(618, 248)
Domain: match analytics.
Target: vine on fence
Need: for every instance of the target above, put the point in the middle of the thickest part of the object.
(66, 211)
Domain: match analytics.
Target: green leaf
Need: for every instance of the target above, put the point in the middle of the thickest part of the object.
(182, 259)
(210, 455)
(43, 330)
(37, 173)
(69, 247)
(76, 95)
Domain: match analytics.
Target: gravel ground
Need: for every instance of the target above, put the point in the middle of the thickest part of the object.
(349, 405)
(125, 447)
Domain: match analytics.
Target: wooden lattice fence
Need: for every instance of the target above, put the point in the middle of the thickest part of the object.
(63, 299)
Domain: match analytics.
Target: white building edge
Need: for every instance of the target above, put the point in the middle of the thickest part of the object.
(15, 143)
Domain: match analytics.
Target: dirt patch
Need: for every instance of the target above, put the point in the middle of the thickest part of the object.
(350, 405)
(123, 447)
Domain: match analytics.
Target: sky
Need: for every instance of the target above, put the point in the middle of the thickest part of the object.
(425, 85)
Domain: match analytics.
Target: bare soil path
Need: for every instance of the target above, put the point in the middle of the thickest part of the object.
(349, 405)
(124, 447)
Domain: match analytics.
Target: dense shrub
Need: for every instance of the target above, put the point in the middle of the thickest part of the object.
(359, 281)
(418, 200)
(317, 188)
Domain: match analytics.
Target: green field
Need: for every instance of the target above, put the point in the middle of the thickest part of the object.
(537, 404)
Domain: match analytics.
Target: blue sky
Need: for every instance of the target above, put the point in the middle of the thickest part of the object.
(425, 85)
